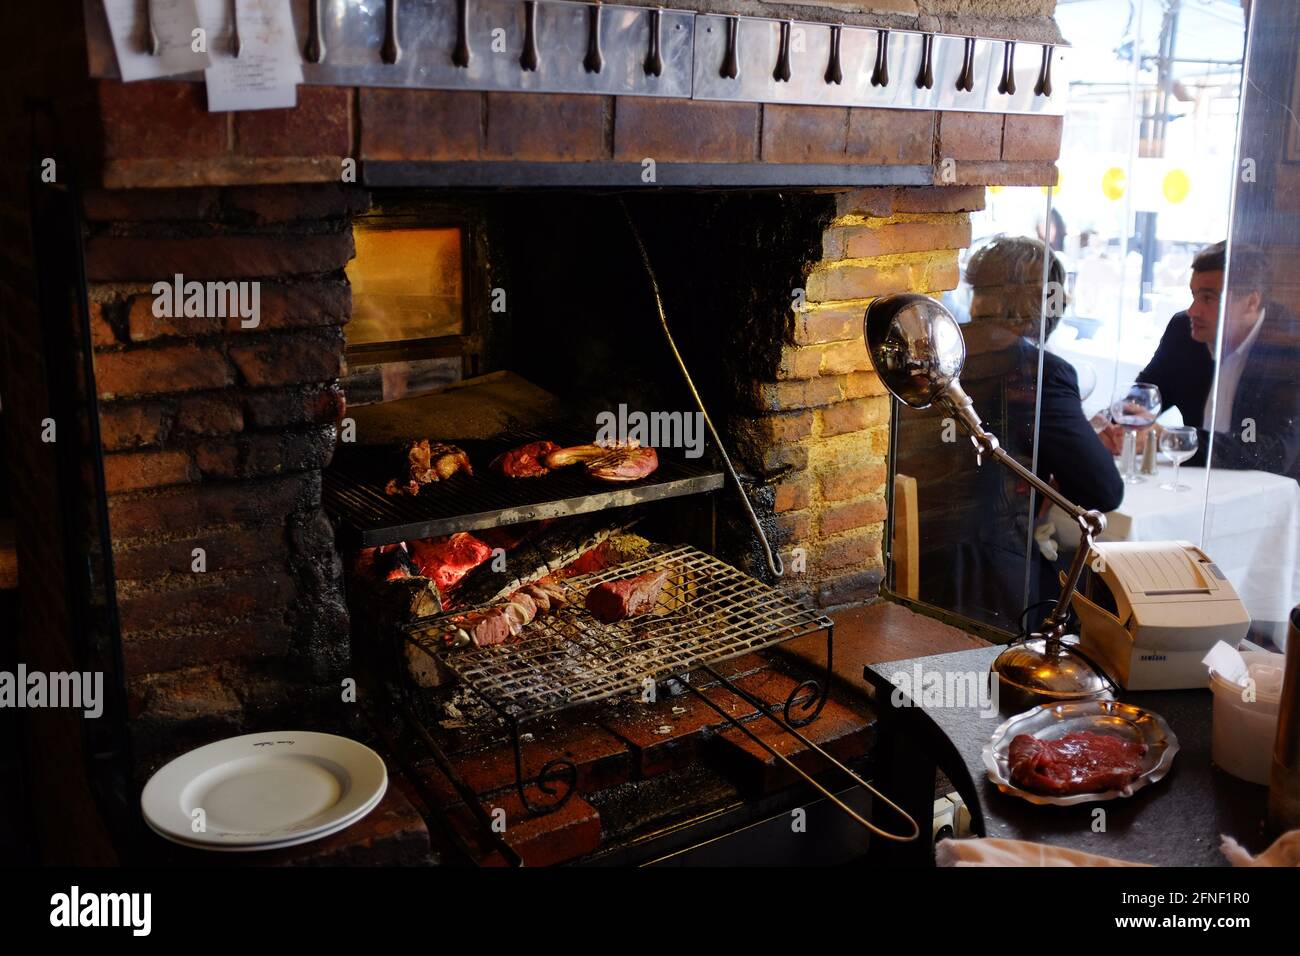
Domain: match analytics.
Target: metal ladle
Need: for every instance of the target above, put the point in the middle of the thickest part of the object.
(918, 351)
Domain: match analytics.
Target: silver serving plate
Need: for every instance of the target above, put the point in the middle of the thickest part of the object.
(1053, 721)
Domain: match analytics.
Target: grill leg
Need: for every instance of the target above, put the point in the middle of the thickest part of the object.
(559, 771)
(811, 708)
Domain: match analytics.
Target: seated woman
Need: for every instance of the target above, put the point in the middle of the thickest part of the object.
(1007, 318)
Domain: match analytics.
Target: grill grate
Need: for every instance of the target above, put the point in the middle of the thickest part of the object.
(353, 492)
(707, 612)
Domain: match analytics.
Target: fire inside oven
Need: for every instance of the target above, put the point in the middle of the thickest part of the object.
(488, 554)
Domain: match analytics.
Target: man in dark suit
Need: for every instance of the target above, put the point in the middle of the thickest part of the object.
(1255, 408)
(1007, 320)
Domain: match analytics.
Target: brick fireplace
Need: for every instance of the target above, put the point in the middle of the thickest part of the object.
(229, 579)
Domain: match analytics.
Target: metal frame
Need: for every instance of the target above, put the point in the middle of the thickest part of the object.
(353, 492)
(560, 46)
(601, 661)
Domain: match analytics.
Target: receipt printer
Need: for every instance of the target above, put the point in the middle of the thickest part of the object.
(1151, 610)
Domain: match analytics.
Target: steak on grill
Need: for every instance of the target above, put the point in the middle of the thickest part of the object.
(1079, 762)
(613, 601)
(527, 461)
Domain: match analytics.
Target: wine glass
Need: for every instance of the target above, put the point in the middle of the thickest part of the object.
(1087, 379)
(1135, 410)
(1178, 445)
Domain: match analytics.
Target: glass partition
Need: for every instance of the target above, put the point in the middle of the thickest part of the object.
(1251, 519)
(1173, 239)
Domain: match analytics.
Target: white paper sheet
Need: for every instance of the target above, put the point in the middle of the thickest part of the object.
(173, 22)
(268, 69)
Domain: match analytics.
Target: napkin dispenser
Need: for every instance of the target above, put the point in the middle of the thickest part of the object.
(1151, 611)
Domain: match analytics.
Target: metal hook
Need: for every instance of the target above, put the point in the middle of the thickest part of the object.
(152, 45)
(236, 45)
(731, 62)
(654, 62)
(1008, 84)
(782, 72)
(925, 75)
(834, 74)
(1044, 85)
(314, 51)
(593, 62)
(966, 78)
(460, 55)
(391, 51)
(529, 58)
(880, 75)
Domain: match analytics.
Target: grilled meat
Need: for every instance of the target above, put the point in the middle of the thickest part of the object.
(624, 463)
(575, 455)
(613, 463)
(619, 600)
(527, 461)
(504, 622)
(427, 462)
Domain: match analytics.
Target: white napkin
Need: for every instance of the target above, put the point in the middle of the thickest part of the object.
(1226, 661)
(994, 851)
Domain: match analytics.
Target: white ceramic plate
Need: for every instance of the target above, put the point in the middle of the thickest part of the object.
(279, 844)
(1051, 721)
(263, 791)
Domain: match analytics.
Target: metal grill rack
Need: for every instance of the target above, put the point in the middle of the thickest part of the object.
(353, 491)
(707, 612)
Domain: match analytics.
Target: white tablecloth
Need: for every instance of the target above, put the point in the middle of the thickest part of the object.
(1252, 529)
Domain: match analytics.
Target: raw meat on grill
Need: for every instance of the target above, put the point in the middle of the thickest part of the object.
(1079, 762)
(616, 463)
(449, 559)
(427, 462)
(527, 461)
(614, 601)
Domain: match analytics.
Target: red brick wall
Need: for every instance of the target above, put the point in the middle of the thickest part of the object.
(160, 134)
(214, 437)
(820, 410)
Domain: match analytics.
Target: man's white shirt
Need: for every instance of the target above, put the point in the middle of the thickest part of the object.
(1230, 371)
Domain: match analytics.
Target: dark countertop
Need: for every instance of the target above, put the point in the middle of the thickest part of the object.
(1175, 822)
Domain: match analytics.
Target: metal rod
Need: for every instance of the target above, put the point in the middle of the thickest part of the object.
(774, 562)
(1055, 623)
(461, 787)
(763, 709)
(958, 404)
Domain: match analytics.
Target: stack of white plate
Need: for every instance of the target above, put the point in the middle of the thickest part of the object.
(264, 791)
